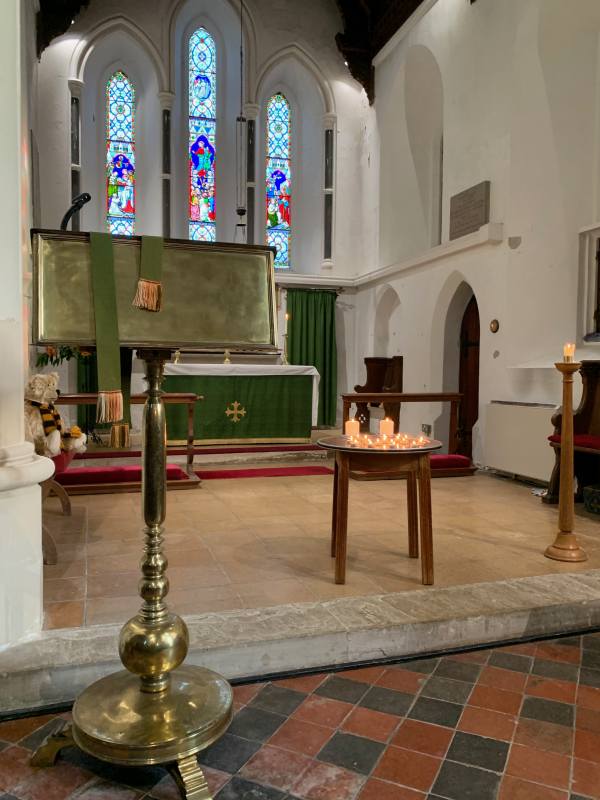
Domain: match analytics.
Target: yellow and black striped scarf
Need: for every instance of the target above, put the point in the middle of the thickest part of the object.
(50, 417)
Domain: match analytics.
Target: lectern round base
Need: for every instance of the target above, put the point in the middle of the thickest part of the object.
(115, 721)
(566, 548)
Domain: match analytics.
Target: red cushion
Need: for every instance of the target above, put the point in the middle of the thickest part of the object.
(449, 461)
(122, 474)
(62, 461)
(580, 440)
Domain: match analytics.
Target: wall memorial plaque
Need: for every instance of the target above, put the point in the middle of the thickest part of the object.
(469, 210)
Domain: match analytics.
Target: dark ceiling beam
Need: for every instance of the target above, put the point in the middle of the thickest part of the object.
(54, 18)
(368, 26)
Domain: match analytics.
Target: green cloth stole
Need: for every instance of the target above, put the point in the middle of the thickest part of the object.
(110, 397)
(148, 296)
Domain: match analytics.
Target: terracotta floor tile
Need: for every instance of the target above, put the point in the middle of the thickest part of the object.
(587, 719)
(370, 724)
(402, 680)
(517, 789)
(524, 649)
(322, 711)
(474, 657)
(587, 745)
(31, 783)
(550, 769)
(68, 614)
(588, 697)
(495, 699)
(244, 693)
(301, 737)
(487, 723)
(326, 782)
(408, 768)
(506, 679)
(379, 790)
(544, 736)
(363, 674)
(432, 740)
(562, 691)
(16, 729)
(557, 652)
(303, 683)
(586, 778)
(63, 589)
(275, 767)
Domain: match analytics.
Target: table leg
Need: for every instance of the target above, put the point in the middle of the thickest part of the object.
(190, 441)
(425, 520)
(413, 514)
(336, 476)
(341, 528)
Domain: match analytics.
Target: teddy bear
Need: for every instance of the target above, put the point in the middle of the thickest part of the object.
(43, 424)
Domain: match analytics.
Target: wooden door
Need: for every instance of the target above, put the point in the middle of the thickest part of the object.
(468, 380)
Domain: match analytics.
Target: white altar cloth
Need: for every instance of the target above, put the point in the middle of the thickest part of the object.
(225, 370)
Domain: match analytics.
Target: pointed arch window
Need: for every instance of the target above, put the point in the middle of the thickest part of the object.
(279, 178)
(202, 111)
(120, 154)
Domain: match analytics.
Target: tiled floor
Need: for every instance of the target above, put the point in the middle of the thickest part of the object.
(248, 543)
(513, 723)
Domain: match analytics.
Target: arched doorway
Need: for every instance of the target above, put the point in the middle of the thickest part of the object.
(468, 377)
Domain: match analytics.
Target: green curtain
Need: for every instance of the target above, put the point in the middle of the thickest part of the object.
(311, 340)
(87, 381)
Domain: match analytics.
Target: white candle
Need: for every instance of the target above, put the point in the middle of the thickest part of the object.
(386, 426)
(352, 428)
(568, 352)
(287, 319)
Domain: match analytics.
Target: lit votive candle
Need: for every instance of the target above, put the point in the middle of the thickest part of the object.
(352, 427)
(386, 426)
(569, 352)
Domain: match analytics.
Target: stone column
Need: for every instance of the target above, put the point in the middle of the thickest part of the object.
(20, 469)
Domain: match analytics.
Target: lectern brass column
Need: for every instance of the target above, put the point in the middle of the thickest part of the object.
(155, 711)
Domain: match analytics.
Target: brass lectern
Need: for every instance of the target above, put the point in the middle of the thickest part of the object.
(156, 711)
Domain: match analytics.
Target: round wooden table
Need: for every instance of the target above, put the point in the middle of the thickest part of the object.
(412, 461)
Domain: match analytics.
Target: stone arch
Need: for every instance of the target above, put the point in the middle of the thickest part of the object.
(86, 46)
(424, 111)
(302, 57)
(386, 341)
(452, 301)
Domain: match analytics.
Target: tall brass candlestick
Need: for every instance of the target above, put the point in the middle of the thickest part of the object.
(566, 547)
(155, 711)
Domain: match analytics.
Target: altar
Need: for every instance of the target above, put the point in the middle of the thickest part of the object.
(245, 402)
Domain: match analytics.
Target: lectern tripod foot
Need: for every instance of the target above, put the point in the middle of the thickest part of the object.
(47, 752)
(190, 779)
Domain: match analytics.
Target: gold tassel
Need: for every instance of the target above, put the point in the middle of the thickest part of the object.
(149, 295)
(109, 407)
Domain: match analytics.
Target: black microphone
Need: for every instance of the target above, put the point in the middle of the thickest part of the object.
(76, 205)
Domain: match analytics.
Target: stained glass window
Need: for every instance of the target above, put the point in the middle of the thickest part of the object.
(202, 71)
(278, 178)
(120, 155)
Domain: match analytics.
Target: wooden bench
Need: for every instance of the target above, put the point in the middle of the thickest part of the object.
(192, 481)
(443, 465)
(586, 436)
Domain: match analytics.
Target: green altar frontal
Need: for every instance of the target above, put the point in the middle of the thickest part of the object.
(243, 407)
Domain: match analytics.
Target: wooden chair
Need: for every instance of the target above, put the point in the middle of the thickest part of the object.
(383, 375)
(586, 436)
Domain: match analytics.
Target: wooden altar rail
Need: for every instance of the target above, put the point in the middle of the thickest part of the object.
(453, 398)
(169, 398)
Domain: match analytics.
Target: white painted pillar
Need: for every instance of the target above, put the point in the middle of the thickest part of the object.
(20, 469)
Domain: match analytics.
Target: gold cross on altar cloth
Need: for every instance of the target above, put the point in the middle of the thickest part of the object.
(235, 413)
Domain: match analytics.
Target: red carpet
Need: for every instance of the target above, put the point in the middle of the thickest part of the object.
(124, 474)
(198, 450)
(266, 472)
